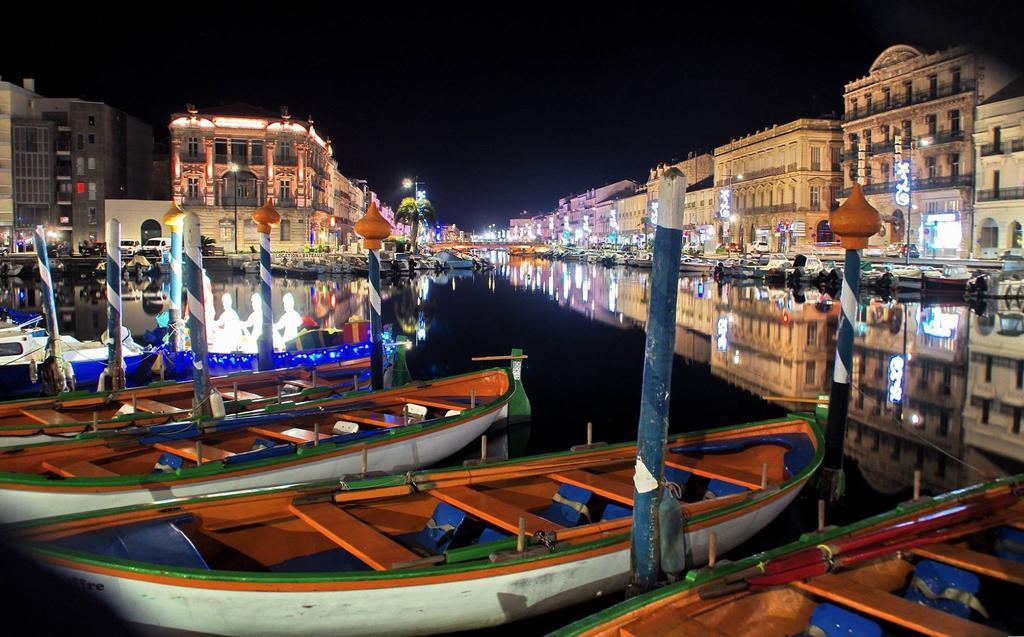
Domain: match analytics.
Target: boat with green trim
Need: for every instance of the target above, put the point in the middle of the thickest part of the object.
(432, 551)
(930, 567)
(286, 442)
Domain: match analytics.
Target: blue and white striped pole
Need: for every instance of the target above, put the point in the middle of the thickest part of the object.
(657, 383)
(115, 355)
(854, 222)
(376, 345)
(177, 329)
(193, 266)
(265, 343)
(54, 355)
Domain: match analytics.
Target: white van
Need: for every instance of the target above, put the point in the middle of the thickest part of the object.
(156, 248)
(129, 248)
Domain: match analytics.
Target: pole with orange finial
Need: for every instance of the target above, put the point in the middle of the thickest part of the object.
(174, 219)
(374, 228)
(854, 222)
(265, 217)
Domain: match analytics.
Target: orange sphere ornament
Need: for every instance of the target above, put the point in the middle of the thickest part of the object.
(373, 228)
(855, 221)
(265, 217)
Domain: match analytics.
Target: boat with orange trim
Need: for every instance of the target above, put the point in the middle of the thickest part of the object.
(286, 442)
(52, 418)
(947, 565)
(430, 551)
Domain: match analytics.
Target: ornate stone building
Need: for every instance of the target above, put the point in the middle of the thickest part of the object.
(238, 156)
(999, 183)
(928, 99)
(780, 184)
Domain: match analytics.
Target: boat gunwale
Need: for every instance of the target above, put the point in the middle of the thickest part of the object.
(697, 578)
(259, 581)
(305, 452)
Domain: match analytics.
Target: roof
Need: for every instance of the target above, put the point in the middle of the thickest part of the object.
(1008, 92)
(707, 182)
(240, 110)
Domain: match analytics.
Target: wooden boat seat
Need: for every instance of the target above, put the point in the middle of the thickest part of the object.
(298, 382)
(374, 418)
(187, 450)
(152, 406)
(490, 509)
(286, 433)
(355, 536)
(609, 488)
(49, 416)
(842, 589)
(437, 403)
(78, 469)
(669, 624)
(239, 395)
(960, 556)
(708, 467)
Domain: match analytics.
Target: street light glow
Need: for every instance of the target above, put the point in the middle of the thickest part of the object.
(407, 183)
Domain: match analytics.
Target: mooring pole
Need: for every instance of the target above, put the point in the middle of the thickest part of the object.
(196, 317)
(173, 220)
(657, 382)
(854, 222)
(115, 355)
(266, 218)
(54, 353)
(374, 228)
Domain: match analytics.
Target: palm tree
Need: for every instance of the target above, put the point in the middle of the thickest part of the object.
(411, 212)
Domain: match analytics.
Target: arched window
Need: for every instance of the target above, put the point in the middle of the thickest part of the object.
(824, 232)
(989, 233)
(249, 230)
(286, 230)
(150, 228)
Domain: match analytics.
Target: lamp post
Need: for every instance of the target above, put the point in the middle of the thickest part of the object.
(374, 228)
(234, 171)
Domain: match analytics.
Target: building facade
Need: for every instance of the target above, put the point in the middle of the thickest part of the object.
(699, 214)
(999, 180)
(928, 101)
(227, 161)
(778, 184)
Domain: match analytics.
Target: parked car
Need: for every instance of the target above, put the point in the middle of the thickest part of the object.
(129, 248)
(900, 250)
(155, 248)
(761, 247)
(92, 248)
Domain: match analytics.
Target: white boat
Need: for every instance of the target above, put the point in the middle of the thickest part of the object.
(693, 265)
(642, 259)
(453, 261)
(950, 279)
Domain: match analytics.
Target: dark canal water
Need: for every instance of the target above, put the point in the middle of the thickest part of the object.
(582, 326)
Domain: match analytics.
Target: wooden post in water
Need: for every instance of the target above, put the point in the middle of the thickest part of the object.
(854, 222)
(197, 317)
(657, 383)
(115, 355)
(374, 228)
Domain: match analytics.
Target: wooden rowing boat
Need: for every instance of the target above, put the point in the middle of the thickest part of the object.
(427, 552)
(399, 429)
(928, 567)
(50, 418)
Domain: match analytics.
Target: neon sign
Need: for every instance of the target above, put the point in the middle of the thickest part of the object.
(895, 394)
(722, 334)
(902, 192)
(724, 199)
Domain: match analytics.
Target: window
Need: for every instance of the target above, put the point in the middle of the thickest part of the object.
(985, 407)
(812, 333)
(810, 373)
(836, 157)
(954, 120)
(227, 231)
(988, 369)
(1020, 374)
(93, 218)
(995, 182)
(92, 163)
(867, 106)
(193, 146)
(887, 97)
(886, 173)
(193, 188)
(997, 134)
(956, 79)
(943, 423)
(79, 166)
(286, 190)
(908, 92)
(954, 164)
(286, 230)
(815, 158)
(932, 122)
(92, 120)
(815, 197)
(933, 86)
(908, 130)
(92, 138)
(929, 163)
(92, 191)
(79, 142)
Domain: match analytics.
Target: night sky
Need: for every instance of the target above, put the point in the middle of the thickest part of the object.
(497, 111)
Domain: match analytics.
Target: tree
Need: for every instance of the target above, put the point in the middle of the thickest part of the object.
(412, 212)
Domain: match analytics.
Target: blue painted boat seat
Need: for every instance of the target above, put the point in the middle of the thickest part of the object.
(491, 534)
(614, 511)
(568, 505)
(800, 449)
(167, 463)
(442, 529)
(153, 542)
(832, 621)
(673, 474)
(946, 588)
(721, 488)
(1009, 544)
(331, 560)
(259, 453)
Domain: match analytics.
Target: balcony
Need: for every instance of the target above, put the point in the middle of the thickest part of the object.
(63, 146)
(944, 181)
(1011, 146)
(1000, 194)
(195, 200)
(286, 160)
(919, 97)
(64, 198)
(285, 202)
(192, 158)
(943, 137)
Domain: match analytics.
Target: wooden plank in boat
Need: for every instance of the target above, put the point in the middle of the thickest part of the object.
(298, 382)
(501, 514)
(374, 418)
(877, 603)
(152, 406)
(187, 450)
(615, 490)
(706, 466)
(286, 433)
(436, 403)
(961, 556)
(79, 469)
(240, 395)
(669, 624)
(352, 534)
(49, 416)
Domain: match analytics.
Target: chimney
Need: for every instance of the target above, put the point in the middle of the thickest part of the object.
(29, 84)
